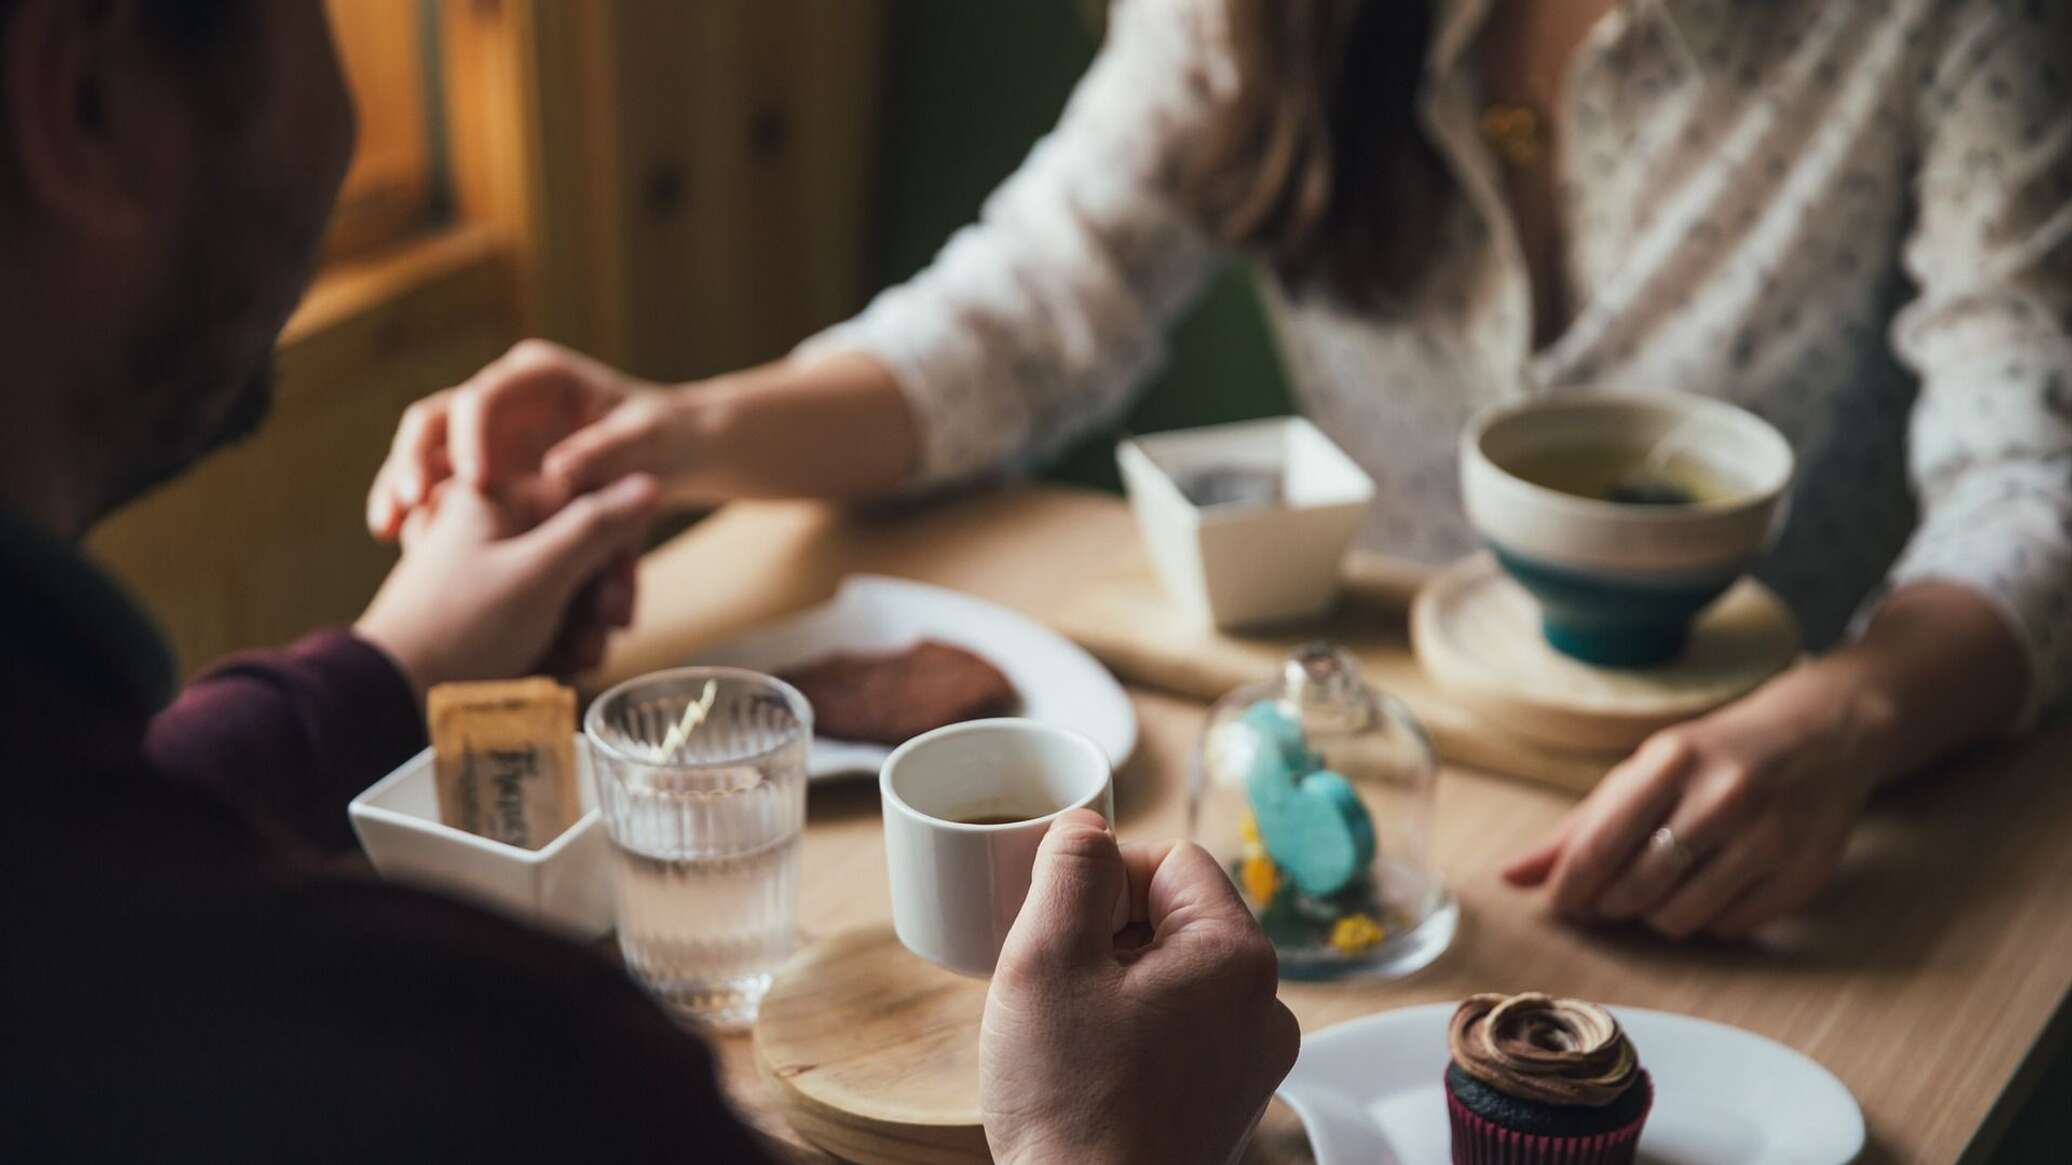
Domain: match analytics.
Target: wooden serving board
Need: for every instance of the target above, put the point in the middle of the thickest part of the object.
(872, 1052)
(1477, 633)
(1127, 622)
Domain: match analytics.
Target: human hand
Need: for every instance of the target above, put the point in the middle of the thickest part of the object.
(1162, 1050)
(483, 593)
(1724, 823)
(540, 413)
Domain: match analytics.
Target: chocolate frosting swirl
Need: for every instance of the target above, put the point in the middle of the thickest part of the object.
(1536, 1047)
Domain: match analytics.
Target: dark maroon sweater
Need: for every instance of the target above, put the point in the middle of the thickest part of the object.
(186, 978)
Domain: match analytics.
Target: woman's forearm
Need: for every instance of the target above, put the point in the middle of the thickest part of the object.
(836, 427)
(1936, 669)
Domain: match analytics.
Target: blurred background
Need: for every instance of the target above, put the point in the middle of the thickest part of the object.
(680, 189)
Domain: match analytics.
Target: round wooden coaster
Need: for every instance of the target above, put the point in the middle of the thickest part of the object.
(873, 1052)
(1477, 634)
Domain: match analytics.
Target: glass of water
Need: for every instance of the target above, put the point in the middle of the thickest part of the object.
(701, 778)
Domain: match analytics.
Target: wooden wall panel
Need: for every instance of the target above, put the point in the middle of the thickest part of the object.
(388, 189)
(746, 142)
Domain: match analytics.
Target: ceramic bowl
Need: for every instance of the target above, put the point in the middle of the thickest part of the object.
(1618, 584)
(564, 885)
(1239, 564)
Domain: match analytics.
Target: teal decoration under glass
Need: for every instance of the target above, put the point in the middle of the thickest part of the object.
(1612, 621)
(1310, 819)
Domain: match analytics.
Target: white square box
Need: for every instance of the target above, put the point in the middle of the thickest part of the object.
(564, 885)
(1242, 566)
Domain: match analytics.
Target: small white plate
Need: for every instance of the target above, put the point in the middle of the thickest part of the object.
(1370, 1093)
(1059, 684)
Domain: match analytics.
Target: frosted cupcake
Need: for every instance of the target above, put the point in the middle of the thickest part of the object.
(1537, 1079)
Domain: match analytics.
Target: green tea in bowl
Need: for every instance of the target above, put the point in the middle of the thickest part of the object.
(1627, 474)
(1624, 515)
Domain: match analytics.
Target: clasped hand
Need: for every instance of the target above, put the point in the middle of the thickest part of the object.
(519, 555)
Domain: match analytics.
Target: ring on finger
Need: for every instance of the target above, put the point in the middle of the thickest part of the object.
(1665, 845)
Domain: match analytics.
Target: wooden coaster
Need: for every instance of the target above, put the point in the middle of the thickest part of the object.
(1477, 633)
(873, 1052)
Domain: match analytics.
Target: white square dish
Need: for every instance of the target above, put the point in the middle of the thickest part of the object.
(564, 885)
(1239, 565)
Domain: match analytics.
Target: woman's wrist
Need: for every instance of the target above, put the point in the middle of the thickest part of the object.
(696, 427)
(1864, 704)
(835, 427)
(1935, 670)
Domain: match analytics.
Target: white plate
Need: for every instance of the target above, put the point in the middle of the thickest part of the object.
(1058, 682)
(1369, 1092)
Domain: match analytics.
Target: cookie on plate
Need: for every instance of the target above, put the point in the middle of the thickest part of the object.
(891, 697)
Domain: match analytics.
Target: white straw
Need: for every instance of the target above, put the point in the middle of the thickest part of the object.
(694, 714)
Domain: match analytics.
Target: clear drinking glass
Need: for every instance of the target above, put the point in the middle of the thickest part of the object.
(705, 836)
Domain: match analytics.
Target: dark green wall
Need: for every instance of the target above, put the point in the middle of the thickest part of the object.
(972, 86)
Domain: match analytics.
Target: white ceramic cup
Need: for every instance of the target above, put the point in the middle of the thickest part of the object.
(957, 887)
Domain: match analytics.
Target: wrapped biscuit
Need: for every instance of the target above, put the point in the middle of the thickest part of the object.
(505, 758)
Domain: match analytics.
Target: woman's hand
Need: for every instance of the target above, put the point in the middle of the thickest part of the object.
(1724, 823)
(1095, 1050)
(540, 412)
(836, 427)
(1739, 817)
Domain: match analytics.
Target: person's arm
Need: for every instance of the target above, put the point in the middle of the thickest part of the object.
(1030, 327)
(1990, 332)
(289, 737)
(292, 734)
(837, 427)
(1741, 816)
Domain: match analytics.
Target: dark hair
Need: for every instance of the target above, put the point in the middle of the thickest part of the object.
(191, 23)
(197, 32)
(185, 24)
(1318, 164)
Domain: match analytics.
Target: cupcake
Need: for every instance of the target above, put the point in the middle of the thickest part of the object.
(1537, 1079)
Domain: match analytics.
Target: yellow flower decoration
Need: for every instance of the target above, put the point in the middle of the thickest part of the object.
(1261, 879)
(1248, 830)
(1355, 933)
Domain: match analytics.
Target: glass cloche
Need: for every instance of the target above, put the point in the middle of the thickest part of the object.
(1314, 790)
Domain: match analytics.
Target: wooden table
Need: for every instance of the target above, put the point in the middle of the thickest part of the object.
(1931, 977)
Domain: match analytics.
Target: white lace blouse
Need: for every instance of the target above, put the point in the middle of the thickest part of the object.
(1854, 219)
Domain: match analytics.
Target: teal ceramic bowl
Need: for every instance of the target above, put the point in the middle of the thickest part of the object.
(1619, 582)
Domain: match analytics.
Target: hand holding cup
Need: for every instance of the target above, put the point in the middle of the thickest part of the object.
(1160, 1045)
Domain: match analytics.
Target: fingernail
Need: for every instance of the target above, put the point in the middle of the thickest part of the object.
(561, 462)
(632, 490)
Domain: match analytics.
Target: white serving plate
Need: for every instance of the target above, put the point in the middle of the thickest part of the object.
(1059, 683)
(1369, 1092)
(564, 885)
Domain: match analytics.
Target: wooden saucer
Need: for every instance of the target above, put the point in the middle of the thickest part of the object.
(1477, 634)
(873, 1052)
